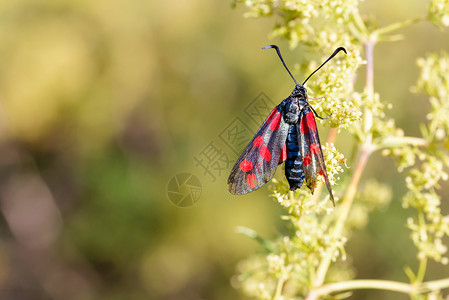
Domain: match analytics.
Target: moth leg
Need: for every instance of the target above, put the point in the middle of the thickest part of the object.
(316, 115)
(322, 97)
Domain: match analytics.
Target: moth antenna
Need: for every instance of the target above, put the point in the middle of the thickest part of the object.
(330, 57)
(282, 60)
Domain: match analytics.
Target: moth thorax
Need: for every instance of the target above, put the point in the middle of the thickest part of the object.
(291, 110)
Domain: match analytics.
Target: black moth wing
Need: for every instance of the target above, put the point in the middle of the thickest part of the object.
(259, 160)
(310, 149)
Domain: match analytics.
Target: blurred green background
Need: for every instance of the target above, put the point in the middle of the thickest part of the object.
(102, 103)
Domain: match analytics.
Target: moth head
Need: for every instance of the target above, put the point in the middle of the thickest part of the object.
(299, 91)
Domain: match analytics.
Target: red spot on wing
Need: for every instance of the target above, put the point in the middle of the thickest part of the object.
(283, 154)
(307, 160)
(311, 121)
(321, 172)
(265, 153)
(275, 122)
(258, 141)
(251, 180)
(303, 126)
(246, 165)
(314, 149)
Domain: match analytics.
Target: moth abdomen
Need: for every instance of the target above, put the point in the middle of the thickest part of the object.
(293, 165)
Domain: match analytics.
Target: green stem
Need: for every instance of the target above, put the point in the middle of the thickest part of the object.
(397, 141)
(435, 285)
(386, 285)
(279, 286)
(421, 270)
(369, 88)
(396, 26)
(358, 27)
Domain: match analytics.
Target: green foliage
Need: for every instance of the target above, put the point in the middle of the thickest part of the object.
(303, 263)
(439, 13)
(423, 180)
(313, 23)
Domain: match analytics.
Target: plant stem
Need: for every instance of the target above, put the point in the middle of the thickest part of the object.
(344, 212)
(279, 286)
(332, 135)
(366, 150)
(387, 285)
(369, 89)
(396, 141)
(396, 26)
(421, 270)
(358, 27)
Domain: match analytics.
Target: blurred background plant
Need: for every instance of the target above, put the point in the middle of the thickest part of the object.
(102, 103)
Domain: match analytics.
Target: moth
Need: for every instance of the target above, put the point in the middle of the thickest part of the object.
(290, 135)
